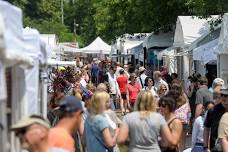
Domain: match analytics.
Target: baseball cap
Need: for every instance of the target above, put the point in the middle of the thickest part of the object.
(70, 104)
(29, 120)
(224, 90)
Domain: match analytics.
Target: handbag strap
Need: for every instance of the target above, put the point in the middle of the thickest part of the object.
(141, 81)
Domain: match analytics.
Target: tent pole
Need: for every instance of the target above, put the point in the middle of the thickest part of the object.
(3, 126)
(43, 85)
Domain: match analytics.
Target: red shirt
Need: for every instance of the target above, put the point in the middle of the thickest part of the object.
(122, 82)
(133, 91)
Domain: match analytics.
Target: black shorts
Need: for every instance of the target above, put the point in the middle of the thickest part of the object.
(124, 96)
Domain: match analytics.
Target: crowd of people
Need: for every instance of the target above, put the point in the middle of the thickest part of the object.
(98, 106)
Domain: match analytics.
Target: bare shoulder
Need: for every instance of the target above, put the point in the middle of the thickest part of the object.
(176, 124)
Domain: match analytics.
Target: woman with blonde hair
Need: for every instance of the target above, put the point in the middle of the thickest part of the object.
(97, 134)
(144, 126)
(162, 90)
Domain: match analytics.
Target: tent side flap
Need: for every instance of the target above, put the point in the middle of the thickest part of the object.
(35, 46)
(206, 52)
(223, 39)
(11, 20)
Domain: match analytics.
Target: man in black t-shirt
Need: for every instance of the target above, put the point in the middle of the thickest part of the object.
(212, 121)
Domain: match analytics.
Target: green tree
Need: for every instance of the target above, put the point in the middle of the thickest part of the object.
(84, 17)
(45, 15)
(116, 17)
(112, 18)
(205, 8)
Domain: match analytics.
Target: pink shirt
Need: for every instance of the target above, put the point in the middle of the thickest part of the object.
(182, 113)
(133, 91)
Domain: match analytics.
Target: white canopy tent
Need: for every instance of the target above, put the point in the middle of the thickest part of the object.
(12, 24)
(125, 46)
(69, 48)
(207, 52)
(137, 51)
(15, 54)
(63, 63)
(189, 29)
(23, 51)
(38, 50)
(223, 38)
(98, 46)
(159, 40)
(166, 52)
(128, 46)
(222, 62)
(50, 39)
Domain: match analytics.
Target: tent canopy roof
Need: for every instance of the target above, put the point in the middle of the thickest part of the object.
(35, 46)
(189, 29)
(97, 46)
(69, 48)
(129, 45)
(137, 49)
(159, 40)
(126, 45)
(63, 63)
(50, 39)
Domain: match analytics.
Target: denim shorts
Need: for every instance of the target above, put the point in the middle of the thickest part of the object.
(198, 148)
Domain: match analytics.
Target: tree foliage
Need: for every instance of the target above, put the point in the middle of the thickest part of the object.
(112, 18)
(116, 17)
(206, 8)
(45, 15)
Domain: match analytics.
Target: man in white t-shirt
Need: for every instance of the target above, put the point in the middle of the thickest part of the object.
(114, 87)
(142, 76)
(158, 80)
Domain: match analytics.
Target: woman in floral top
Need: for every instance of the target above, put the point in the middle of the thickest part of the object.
(182, 110)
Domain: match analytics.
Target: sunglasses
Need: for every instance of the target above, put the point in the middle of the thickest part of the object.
(164, 89)
(82, 112)
(224, 95)
(162, 105)
(21, 131)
